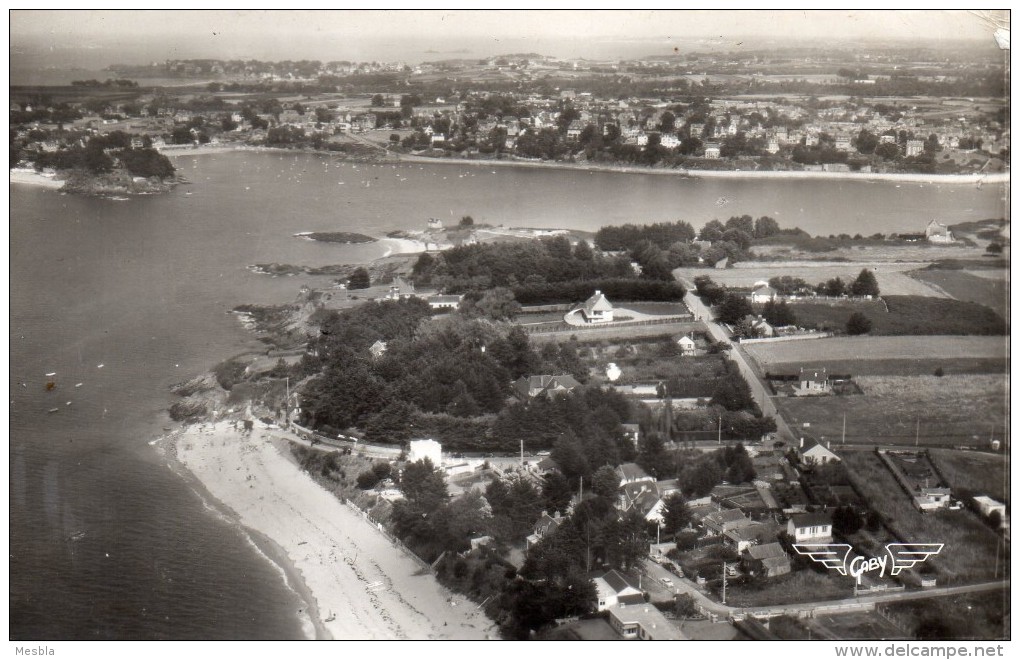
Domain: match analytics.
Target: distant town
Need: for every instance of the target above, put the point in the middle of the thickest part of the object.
(892, 111)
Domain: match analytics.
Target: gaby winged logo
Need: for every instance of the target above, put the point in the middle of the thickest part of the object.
(897, 557)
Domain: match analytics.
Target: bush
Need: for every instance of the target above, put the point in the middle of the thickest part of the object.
(579, 290)
(858, 324)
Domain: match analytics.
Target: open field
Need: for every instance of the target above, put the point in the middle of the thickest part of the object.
(946, 411)
(892, 277)
(970, 546)
(982, 616)
(859, 625)
(797, 587)
(877, 348)
(906, 315)
(974, 473)
(867, 250)
(986, 287)
(897, 367)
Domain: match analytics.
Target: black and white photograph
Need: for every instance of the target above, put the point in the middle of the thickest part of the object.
(467, 325)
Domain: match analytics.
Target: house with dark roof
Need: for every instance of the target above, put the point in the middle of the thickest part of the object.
(726, 519)
(614, 588)
(766, 560)
(632, 472)
(810, 527)
(597, 309)
(528, 387)
(545, 526)
(812, 382)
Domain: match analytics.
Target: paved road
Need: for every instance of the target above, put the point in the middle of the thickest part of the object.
(758, 390)
(684, 586)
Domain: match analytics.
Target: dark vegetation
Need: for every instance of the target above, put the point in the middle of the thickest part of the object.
(102, 154)
(434, 379)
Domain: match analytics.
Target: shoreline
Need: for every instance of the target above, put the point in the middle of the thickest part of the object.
(36, 179)
(340, 564)
(392, 157)
(398, 246)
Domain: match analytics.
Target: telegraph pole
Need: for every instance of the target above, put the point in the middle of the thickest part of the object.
(286, 406)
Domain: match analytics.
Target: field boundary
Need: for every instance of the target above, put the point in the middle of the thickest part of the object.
(765, 340)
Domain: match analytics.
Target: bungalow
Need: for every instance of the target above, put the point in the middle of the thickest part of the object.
(687, 345)
(597, 309)
(444, 302)
(725, 520)
(742, 538)
(631, 473)
(614, 588)
(932, 499)
(764, 294)
(378, 348)
(642, 622)
(810, 528)
(759, 327)
(528, 387)
(812, 382)
(815, 452)
(545, 526)
(400, 290)
(767, 560)
(937, 232)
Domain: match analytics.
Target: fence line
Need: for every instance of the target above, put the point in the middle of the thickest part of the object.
(565, 327)
(389, 537)
(765, 340)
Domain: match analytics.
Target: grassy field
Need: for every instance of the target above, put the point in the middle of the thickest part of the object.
(893, 409)
(797, 587)
(990, 288)
(898, 367)
(892, 277)
(877, 348)
(973, 473)
(859, 625)
(983, 616)
(970, 546)
(907, 315)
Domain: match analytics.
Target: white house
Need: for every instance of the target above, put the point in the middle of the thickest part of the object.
(614, 588)
(378, 348)
(712, 151)
(444, 302)
(643, 622)
(810, 528)
(426, 448)
(597, 309)
(936, 232)
(687, 345)
(813, 451)
(764, 294)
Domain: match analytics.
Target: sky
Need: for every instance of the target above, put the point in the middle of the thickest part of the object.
(134, 36)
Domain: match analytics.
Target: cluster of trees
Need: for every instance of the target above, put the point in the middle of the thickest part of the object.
(697, 473)
(628, 237)
(104, 153)
(486, 265)
(866, 284)
(109, 83)
(449, 377)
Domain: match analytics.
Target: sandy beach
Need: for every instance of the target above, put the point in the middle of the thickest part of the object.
(35, 179)
(401, 246)
(360, 586)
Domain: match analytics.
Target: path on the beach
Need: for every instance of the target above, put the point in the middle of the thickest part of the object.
(369, 588)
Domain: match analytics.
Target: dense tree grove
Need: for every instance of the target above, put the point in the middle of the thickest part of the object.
(450, 377)
(627, 237)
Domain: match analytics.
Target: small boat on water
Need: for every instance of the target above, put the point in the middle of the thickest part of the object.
(53, 410)
(51, 374)
(330, 618)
